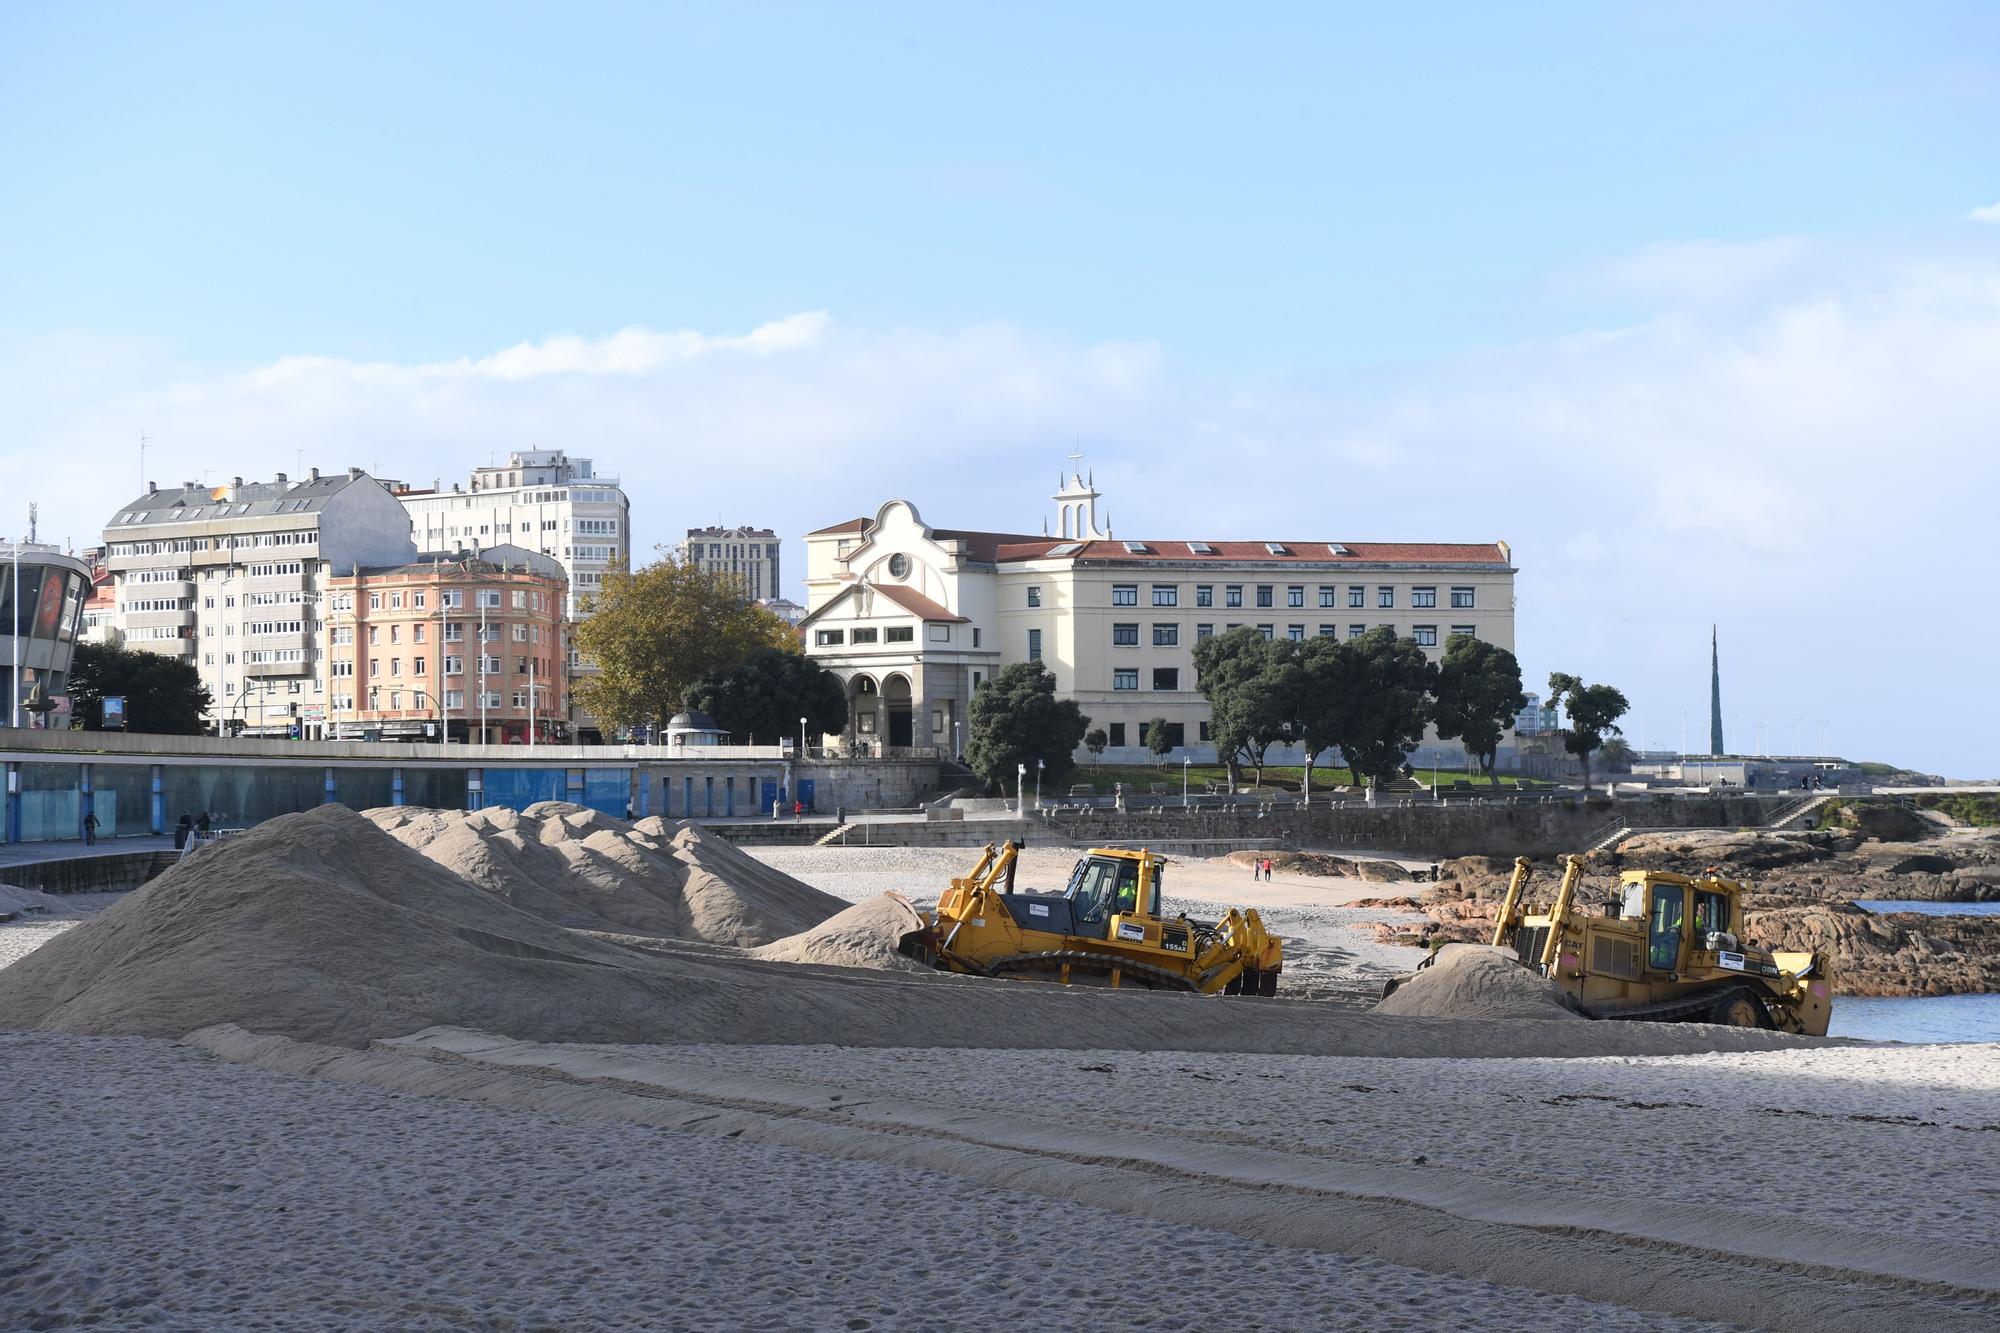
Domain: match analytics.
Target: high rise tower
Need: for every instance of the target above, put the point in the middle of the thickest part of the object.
(1714, 694)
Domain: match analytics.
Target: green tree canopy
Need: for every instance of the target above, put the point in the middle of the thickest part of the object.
(1159, 738)
(1391, 684)
(1591, 711)
(1478, 696)
(1017, 719)
(654, 631)
(1094, 741)
(1251, 686)
(163, 694)
(1322, 689)
(766, 695)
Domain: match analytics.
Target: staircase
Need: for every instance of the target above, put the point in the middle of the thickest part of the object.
(1804, 809)
(1607, 837)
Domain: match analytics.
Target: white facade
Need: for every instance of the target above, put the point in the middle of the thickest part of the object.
(749, 556)
(914, 617)
(231, 578)
(545, 501)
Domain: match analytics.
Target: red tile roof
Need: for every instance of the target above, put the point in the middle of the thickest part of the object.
(982, 546)
(1313, 552)
(916, 603)
(851, 525)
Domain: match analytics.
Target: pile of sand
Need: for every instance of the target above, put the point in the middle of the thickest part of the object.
(322, 927)
(865, 935)
(30, 902)
(1477, 981)
(577, 867)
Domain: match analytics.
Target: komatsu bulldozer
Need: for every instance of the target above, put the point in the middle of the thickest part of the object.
(1105, 928)
(1669, 948)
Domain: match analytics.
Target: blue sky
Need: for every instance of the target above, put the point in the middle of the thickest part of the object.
(1636, 287)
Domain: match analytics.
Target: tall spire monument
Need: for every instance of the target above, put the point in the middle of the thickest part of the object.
(1714, 694)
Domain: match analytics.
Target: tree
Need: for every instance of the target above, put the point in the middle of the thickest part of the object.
(1017, 719)
(653, 632)
(163, 695)
(1591, 711)
(1159, 740)
(1094, 741)
(1616, 755)
(1323, 695)
(1391, 683)
(767, 695)
(1478, 696)
(1251, 691)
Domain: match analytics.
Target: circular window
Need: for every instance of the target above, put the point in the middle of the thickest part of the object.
(899, 566)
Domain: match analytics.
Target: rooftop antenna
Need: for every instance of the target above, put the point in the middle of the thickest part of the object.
(142, 462)
(33, 511)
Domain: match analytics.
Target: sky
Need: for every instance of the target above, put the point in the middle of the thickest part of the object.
(1696, 305)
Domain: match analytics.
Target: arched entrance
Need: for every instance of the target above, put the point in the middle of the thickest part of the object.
(864, 703)
(896, 698)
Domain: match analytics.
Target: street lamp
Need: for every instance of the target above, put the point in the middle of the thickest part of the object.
(802, 738)
(1020, 780)
(1038, 784)
(1185, 761)
(957, 744)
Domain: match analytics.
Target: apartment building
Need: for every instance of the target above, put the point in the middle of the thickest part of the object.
(459, 647)
(914, 618)
(748, 556)
(541, 500)
(232, 578)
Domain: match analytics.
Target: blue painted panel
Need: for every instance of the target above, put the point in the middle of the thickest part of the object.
(607, 789)
(806, 793)
(522, 787)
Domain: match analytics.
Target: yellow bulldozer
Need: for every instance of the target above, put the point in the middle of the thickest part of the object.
(1106, 928)
(1669, 948)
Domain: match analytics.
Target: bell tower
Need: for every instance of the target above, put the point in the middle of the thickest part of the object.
(1076, 506)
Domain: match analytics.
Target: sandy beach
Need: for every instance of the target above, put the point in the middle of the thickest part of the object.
(1102, 1159)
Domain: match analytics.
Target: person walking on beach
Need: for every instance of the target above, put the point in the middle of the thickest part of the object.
(90, 829)
(1431, 941)
(182, 831)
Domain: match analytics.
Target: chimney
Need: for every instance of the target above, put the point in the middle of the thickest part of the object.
(235, 487)
(353, 473)
(313, 475)
(281, 479)
(152, 488)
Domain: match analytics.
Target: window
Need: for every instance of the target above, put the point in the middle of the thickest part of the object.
(1295, 596)
(417, 633)
(899, 634)
(1124, 594)
(417, 600)
(520, 600)
(1125, 678)
(417, 666)
(1034, 595)
(1328, 632)
(938, 633)
(395, 601)
(1469, 631)
(1296, 633)
(341, 669)
(1356, 631)
(1117, 733)
(1034, 645)
(1125, 636)
(395, 634)
(1166, 636)
(1166, 678)
(1268, 631)
(1166, 594)
(1204, 731)
(1425, 635)
(863, 635)
(1203, 632)
(1264, 594)
(453, 597)
(1385, 597)
(1204, 594)
(489, 598)
(1325, 594)
(374, 601)
(454, 666)
(1232, 595)
(1357, 596)
(827, 638)
(1423, 597)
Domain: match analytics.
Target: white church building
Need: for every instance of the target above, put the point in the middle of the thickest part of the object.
(914, 617)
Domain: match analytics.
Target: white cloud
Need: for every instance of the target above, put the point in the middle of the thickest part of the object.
(1990, 213)
(1811, 468)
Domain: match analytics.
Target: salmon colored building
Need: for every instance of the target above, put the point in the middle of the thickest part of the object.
(463, 646)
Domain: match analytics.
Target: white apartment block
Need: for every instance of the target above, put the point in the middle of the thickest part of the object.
(914, 618)
(232, 577)
(749, 556)
(542, 500)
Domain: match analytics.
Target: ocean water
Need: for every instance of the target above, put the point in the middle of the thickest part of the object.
(1928, 908)
(1935, 1018)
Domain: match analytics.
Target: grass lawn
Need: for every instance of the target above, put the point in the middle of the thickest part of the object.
(1140, 778)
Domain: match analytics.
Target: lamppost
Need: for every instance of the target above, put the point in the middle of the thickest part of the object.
(1038, 784)
(1185, 761)
(957, 745)
(1020, 781)
(802, 738)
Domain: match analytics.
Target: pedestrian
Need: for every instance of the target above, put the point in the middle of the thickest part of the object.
(90, 829)
(203, 826)
(1431, 941)
(628, 812)
(798, 811)
(182, 831)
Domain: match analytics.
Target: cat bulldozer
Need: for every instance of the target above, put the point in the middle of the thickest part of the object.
(1106, 928)
(1668, 948)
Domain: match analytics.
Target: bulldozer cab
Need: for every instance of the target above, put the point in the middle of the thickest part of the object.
(1111, 883)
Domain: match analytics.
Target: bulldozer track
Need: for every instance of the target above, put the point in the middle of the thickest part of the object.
(1054, 960)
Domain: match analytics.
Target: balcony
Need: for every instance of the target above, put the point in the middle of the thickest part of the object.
(262, 670)
(138, 620)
